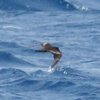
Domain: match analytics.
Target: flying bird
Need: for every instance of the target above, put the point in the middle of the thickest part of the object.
(47, 47)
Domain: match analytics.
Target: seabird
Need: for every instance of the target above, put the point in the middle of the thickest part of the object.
(47, 47)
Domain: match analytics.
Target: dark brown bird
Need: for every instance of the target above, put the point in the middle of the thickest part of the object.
(47, 47)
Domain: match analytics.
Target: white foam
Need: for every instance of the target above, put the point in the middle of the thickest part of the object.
(51, 70)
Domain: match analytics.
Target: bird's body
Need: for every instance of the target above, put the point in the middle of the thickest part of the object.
(47, 47)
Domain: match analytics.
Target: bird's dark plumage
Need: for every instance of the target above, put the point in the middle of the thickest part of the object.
(47, 47)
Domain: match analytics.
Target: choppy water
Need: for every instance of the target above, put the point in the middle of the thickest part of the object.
(73, 26)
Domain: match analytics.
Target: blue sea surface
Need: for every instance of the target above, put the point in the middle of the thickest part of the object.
(71, 25)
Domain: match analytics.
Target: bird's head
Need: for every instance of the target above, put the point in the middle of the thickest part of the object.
(46, 45)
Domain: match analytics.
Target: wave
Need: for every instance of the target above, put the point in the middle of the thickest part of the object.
(12, 45)
(49, 5)
(9, 44)
(36, 5)
(7, 58)
(16, 80)
(83, 5)
(11, 76)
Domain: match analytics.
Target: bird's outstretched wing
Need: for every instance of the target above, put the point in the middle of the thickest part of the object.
(41, 50)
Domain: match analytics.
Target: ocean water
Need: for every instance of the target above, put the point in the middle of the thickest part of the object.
(73, 26)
